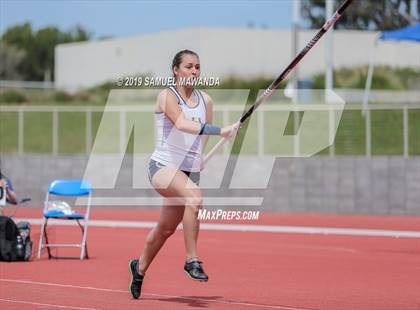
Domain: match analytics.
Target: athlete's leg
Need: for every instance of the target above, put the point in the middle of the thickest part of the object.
(191, 227)
(170, 217)
(176, 186)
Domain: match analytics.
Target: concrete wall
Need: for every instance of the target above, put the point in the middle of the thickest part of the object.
(223, 52)
(347, 185)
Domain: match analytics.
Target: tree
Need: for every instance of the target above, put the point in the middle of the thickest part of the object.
(10, 59)
(21, 37)
(363, 14)
(46, 39)
(38, 62)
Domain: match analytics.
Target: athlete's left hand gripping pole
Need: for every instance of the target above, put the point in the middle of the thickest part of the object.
(267, 93)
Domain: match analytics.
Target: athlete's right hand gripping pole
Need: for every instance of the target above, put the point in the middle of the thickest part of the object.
(267, 93)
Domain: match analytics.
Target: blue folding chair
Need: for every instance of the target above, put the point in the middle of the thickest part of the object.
(67, 188)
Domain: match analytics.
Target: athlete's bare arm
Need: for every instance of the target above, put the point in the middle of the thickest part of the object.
(168, 104)
(209, 115)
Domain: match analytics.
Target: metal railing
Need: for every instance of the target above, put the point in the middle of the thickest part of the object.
(226, 119)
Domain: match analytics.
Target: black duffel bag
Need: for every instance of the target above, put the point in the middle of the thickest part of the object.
(15, 240)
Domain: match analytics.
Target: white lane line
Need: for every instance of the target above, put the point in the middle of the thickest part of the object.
(44, 305)
(244, 227)
(315, 230)
(232, 302)
(157, 201)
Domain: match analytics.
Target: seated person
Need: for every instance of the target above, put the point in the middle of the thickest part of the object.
(8, 188)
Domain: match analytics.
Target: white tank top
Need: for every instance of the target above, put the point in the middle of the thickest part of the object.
(177, 148)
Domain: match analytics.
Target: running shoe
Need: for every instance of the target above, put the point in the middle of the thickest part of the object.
(195, 271)
(136, 279)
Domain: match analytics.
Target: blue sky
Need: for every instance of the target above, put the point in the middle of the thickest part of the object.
(131, 17)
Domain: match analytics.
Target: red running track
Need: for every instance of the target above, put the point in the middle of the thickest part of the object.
(248, 270)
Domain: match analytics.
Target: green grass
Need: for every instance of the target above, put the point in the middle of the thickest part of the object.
(72, 132)
(387, 132)
(414, 132)
(8, 132)
(38, 132)
(351, 135)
